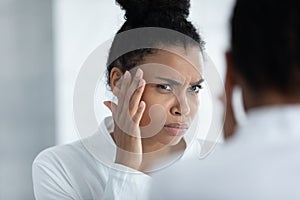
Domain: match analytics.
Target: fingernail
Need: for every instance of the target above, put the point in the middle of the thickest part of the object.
(141, 83)
(142, 104)
(138, 73)
(116, 91)
(126, 75)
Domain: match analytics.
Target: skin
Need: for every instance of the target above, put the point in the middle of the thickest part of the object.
(163, 90)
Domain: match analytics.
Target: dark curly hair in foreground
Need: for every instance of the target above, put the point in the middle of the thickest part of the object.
(265, 44)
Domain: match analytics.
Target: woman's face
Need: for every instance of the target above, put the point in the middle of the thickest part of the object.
(171, 93)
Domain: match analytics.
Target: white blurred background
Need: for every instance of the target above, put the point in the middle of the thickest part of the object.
(43, 45)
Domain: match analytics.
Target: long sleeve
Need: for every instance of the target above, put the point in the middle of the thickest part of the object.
(49, 184)
(64, 174)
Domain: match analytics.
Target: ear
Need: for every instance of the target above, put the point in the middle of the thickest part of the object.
(233, 78)
(230, 83)
(231, 75)
(115, 75)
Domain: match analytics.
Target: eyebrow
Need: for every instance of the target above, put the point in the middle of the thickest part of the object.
(170, 81)
(198, 82)
(173, 82)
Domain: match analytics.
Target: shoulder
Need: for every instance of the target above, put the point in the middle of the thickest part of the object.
(77, 156)
(68, 157)
(57, 171)
(59, 152)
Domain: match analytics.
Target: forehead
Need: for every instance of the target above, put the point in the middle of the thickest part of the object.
(183, 64)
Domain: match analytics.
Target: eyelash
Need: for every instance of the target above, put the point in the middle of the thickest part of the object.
(198, 87)
(165, 86)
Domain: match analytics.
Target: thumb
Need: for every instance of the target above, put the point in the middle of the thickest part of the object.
(107, 104)
(110, 105)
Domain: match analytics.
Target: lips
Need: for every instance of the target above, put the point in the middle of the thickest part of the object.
(176, 129)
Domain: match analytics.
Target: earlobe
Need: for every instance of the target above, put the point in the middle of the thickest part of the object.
(115, 75)
(231, 78)
(230, 83)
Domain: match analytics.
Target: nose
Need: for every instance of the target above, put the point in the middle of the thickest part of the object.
(181, 106)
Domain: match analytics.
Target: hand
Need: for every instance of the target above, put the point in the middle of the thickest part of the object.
(127, 115)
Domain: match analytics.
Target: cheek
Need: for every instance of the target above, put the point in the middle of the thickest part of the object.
(194, 105)
(153, 120)
(145, 120)
(154, 105)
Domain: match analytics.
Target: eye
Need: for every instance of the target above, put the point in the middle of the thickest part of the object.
(195, 88)
(164, 87)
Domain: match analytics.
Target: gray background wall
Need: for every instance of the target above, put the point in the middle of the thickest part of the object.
(27, 122)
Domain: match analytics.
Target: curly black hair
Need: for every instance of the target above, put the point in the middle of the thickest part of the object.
(265, 44)
(165, 14)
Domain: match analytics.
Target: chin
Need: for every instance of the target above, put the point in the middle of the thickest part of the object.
(171, 141)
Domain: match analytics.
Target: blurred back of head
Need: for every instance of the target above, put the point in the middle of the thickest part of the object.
(265, 44)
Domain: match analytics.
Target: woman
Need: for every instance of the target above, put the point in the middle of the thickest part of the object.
(157, 89)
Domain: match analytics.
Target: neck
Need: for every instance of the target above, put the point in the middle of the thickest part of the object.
(152, 145)
(269, 98)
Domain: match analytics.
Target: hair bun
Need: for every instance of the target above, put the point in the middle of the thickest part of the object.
(142, 8)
